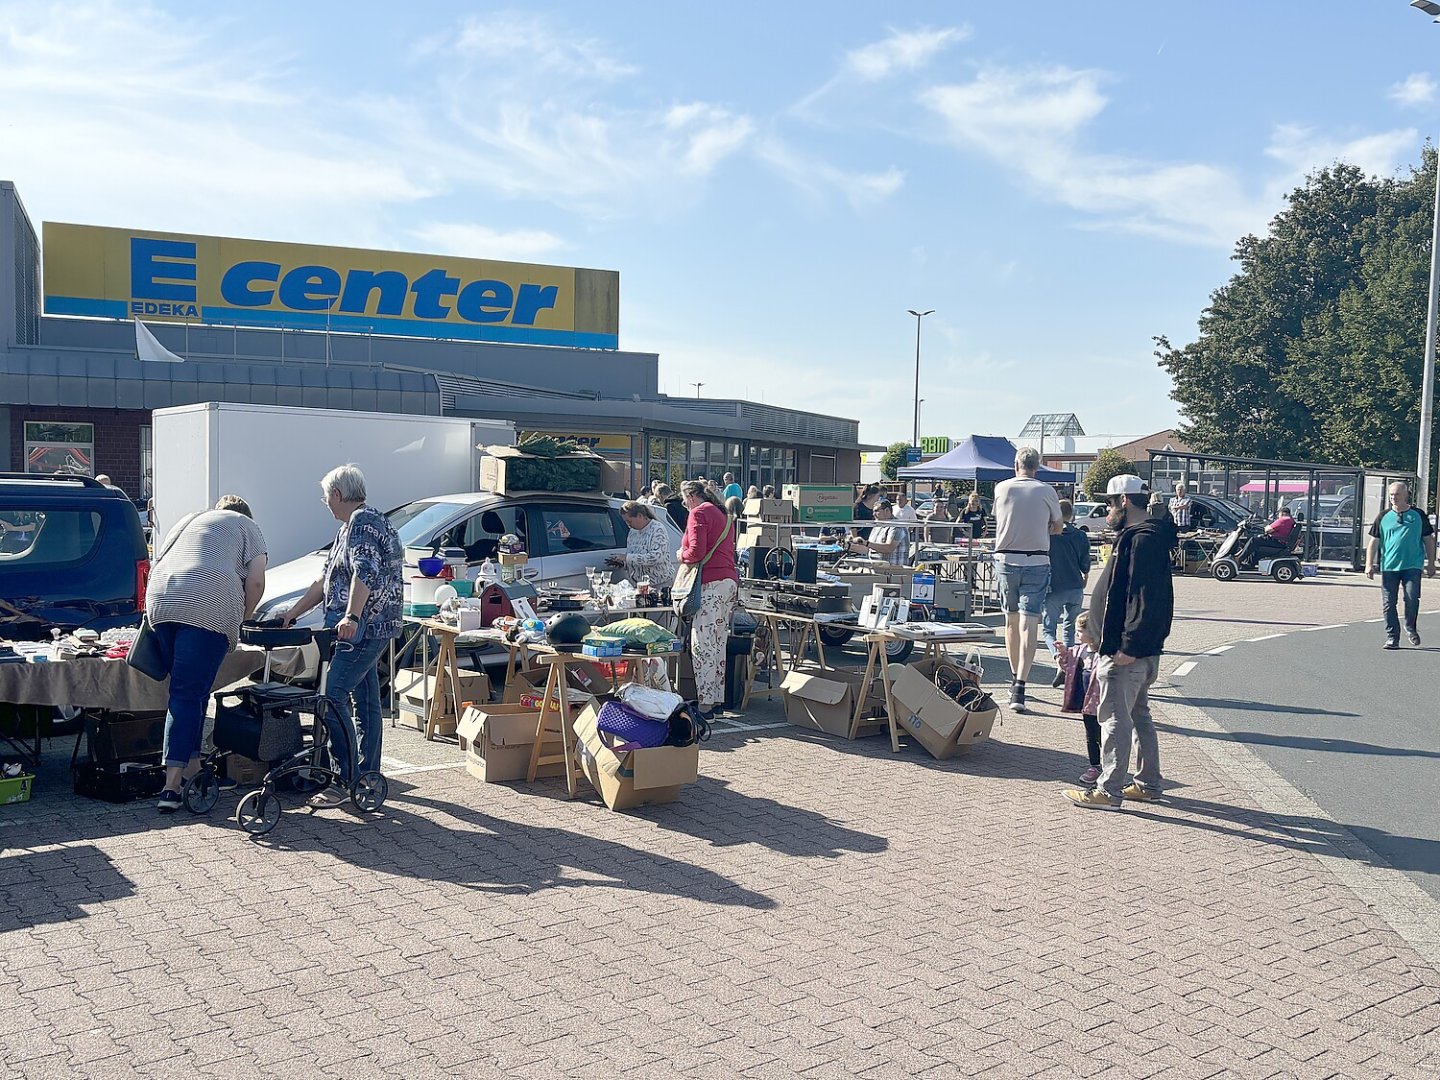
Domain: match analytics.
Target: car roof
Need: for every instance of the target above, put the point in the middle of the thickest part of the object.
(471, 497)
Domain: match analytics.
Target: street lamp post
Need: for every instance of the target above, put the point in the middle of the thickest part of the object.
(1427, 380)
(918, 316)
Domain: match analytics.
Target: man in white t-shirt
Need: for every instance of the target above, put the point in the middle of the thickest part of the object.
(1027, 514)
(902, 510)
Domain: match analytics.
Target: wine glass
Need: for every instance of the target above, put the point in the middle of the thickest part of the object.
(590, 576)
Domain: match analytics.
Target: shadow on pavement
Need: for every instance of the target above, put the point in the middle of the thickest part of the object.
(50, 886)
(1315, 835)
(1247, 706)
(494, 854)
(715, 810)
(1301, 742)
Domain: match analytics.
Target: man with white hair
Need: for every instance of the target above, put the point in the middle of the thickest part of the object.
(1180, 508)
(1402, 542)
(1027, 514)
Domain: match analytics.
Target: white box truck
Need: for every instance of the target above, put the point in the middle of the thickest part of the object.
(274, 456)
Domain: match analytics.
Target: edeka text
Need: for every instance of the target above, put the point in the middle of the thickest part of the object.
(162, 282)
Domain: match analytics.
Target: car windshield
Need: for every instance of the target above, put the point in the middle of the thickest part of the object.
(416, 522)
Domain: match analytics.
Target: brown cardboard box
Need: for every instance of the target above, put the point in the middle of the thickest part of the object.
(765, 534)
(636, 777)
(823, 699)
(770, 509)
(585, 678)
(498, 740)
(493, 470)
(244, 771)
(931, 718)
(412, 688)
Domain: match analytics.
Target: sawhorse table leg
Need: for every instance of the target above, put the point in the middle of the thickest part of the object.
(556, 703)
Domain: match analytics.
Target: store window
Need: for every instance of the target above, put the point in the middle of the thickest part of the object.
(59, 448)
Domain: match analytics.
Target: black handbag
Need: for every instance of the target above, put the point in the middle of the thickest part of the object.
(148, 654)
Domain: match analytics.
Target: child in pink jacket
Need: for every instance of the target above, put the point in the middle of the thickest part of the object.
(1082, 691)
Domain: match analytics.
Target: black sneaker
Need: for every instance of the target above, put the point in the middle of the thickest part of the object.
(1414, 636)
(1059, 680)
(1391, 643)
(1017, 696)
(169, 802)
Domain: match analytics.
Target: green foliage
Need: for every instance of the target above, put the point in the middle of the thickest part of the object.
(1314, 349)
(551, 468)
(1109, 462)
(894, 459)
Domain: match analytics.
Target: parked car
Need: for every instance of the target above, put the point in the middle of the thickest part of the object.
(1090, 516)
(563, 535)
(72, 554)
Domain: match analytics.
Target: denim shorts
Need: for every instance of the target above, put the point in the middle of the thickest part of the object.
(1023, 588)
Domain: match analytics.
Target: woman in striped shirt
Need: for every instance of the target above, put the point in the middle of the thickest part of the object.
(208, 579)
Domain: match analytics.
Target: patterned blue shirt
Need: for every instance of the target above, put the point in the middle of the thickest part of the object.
(367, 547)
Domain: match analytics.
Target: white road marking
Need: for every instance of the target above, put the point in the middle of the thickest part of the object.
(1267, 637)
(1184, 669)
(1221, 649)
(1332, 626)
(1375, 620)
(396, 763)
(424, 768)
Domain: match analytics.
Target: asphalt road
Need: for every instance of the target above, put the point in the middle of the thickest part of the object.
(1354, 727)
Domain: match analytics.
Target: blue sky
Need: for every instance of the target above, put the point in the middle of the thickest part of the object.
(776, 183)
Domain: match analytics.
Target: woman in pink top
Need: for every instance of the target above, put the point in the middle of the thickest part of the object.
(710, 541)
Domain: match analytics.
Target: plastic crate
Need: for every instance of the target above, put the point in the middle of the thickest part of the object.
(16, 789)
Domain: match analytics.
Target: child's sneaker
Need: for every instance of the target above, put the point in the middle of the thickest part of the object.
(1090, 776)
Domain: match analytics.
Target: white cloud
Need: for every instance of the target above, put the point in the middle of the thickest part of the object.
(483, 242)
(1416, 89)
(901, 51)
(1035, 122)
(817, 178)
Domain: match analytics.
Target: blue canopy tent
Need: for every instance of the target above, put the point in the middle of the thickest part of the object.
(980, 457)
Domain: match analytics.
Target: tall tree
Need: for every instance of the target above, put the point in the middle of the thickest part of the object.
(1312, 350)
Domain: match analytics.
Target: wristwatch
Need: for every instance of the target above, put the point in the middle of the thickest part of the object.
(349, 617)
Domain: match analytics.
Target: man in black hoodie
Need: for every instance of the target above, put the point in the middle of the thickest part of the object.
(1132, 604)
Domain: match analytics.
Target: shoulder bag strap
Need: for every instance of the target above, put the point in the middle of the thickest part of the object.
(718, 541)
(184, 524)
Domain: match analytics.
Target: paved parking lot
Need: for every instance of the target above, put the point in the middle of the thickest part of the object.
(811, 907)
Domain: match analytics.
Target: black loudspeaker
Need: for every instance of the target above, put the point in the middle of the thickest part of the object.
(807, 565)
(757, 563)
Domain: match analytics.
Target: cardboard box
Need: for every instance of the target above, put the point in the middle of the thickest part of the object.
(766, 535)
(412, 688)
(244, 771)
(581, 678)
(931, 718)
(770, 509)
(636, 777)
(822, 496)
(498, 740)
(823, 699)
(497, 471)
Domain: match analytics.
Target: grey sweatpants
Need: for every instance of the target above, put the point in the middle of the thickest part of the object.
(1124, 715)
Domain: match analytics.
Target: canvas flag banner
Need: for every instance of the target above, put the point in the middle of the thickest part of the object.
(148, 348)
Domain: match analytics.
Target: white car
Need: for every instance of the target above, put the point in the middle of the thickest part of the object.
(1090, 515)
(563, 535)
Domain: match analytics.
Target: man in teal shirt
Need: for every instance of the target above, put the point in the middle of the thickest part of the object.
(1402, 541)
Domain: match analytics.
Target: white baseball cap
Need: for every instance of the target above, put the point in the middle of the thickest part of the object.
(1126, 485)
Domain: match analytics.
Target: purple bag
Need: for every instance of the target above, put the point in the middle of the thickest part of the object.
(624, 723)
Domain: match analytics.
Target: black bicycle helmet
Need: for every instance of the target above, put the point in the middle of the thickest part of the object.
(567, 628)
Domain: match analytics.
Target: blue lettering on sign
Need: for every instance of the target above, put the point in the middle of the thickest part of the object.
(152, 273)
(485, 301)
(235, 285)
(150, 307)
(310, 288)
(359, 284)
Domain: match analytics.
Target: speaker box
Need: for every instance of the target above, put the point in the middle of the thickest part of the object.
(758, 556)
(807, 565)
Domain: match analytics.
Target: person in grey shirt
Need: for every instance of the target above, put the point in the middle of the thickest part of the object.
(1027, 514)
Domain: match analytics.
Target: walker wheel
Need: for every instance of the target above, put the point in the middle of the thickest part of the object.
(368, 791)
(258, 812)
(201, 792)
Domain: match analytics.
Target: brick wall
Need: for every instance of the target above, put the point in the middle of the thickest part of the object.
(117, 439)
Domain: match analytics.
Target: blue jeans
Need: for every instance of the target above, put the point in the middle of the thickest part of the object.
(1393, 584)
(352, 674)
(1022, 588)
(196, 658)
(1066, 604)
